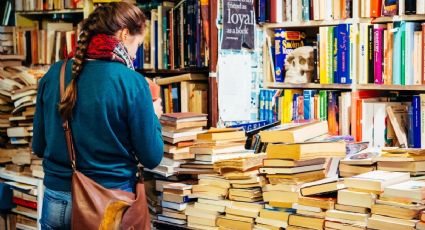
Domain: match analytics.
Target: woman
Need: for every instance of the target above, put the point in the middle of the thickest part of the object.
(110, 109)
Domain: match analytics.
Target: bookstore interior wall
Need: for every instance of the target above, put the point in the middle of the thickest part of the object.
(319, 104)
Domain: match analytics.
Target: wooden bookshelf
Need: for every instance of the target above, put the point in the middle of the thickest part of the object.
(44, 12)
(170, 72)
(414, 17)
(273, 85)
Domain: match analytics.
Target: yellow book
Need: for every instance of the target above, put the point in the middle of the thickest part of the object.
(323, 33)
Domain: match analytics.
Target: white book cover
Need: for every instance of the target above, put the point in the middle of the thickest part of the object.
(417, 58)
(316, 9)
(363, 54)
(380, 123)
(409, 43)
(408, 189)
(297, 10)
(402, 7)
(289, 10)
(329, 10)
(279, 11)
(420, 7)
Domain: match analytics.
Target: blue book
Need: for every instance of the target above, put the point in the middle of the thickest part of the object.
(335, 56)
(397, 54)
(306, 10)
(262, 105)
(261, 11)
(416, 104)
(344, 54)
(272, 114)
(279, 56)
(295, 106)
(410, 135)
(308, 97)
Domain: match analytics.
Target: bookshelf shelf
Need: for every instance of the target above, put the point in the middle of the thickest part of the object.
(21, 179)
(314, 23)
(273, 85)
(391, 87)
(44, 12)
(168, 72)
(396, 18)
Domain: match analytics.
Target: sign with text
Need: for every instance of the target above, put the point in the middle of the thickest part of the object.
(238, 24)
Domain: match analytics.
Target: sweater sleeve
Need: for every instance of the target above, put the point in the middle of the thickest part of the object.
(145, 129)
(39, 139)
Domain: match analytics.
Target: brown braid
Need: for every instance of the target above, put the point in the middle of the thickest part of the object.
(106, 19)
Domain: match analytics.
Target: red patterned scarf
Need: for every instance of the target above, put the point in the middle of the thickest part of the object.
(106, 47)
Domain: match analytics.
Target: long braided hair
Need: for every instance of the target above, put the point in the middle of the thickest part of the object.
(106, 19)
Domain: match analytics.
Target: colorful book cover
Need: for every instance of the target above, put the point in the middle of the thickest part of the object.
(335, 56)
(388, 55)
(316, 74)
(344, 54)
(378, 51)
(262, 105)
(371, 69)
(261, 11)
(409, 49)
(323, 35)
(397, 54)
(308, 96)
(416, 104)
(390, 7)
(287, 105)
(279, 56)
(306, 10)
(375, 8)
(403, 54)
(330, 55)
(285, 43)
(353, 54)
(295, 107)
(323, 101)
(300, 108)
(333, 113)
(411, 136)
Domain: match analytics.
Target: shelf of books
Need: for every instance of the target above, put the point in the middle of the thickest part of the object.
(43, 12)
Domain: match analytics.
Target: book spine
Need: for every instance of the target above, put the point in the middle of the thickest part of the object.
(344, 49)
(330, 55)
(388, 54)
(287, 112)
(416, 121)
(422, 117)
(423, 53)
(401, 7)
(410, 138)
(403, 54)
(410, 7)
(378, 53)
(363, 54)
(323, 105)
(295, 106)
(261, 11)
(332, 113)
(288, 10)
(409, 46)
(316, 73)
(336, 59)
(353, 54)
(311, 9)
(306, 10)
(307, 104)
(300, 111)
(262, 105)
(397, 54)
(375, 8)
(371, 70)
(279, 56)
(323, 34)
(273, 11)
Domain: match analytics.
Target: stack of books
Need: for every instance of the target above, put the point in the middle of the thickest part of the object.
(175, 199)
(240, 215)
(211, 192)
(359, 163)
(214, 145)
(354, 203)
(6, 40)
(25, 199)
(403, 160)
(242, 174)
(400, 206)
(179, 131)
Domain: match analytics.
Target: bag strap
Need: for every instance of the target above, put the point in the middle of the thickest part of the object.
(65, 122)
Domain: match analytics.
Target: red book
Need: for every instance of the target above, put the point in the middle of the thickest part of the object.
(273, 11)
(25, 203)
(375, 8)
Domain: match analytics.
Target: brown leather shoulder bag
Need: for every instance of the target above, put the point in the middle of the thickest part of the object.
(96, 207)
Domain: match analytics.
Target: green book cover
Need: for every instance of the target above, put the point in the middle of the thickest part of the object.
(403, 53)
(323, 99)
(330, 55)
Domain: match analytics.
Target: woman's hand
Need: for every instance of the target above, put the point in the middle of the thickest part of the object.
(157, 106)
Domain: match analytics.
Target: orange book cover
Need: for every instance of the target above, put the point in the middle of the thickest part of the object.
(375, 8)
(356, 111)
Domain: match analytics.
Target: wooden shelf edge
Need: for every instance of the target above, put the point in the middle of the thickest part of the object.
(67, 11)
(22, 179)
(391, 87)
(331, 22)
(306, 86)
(272, 85)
